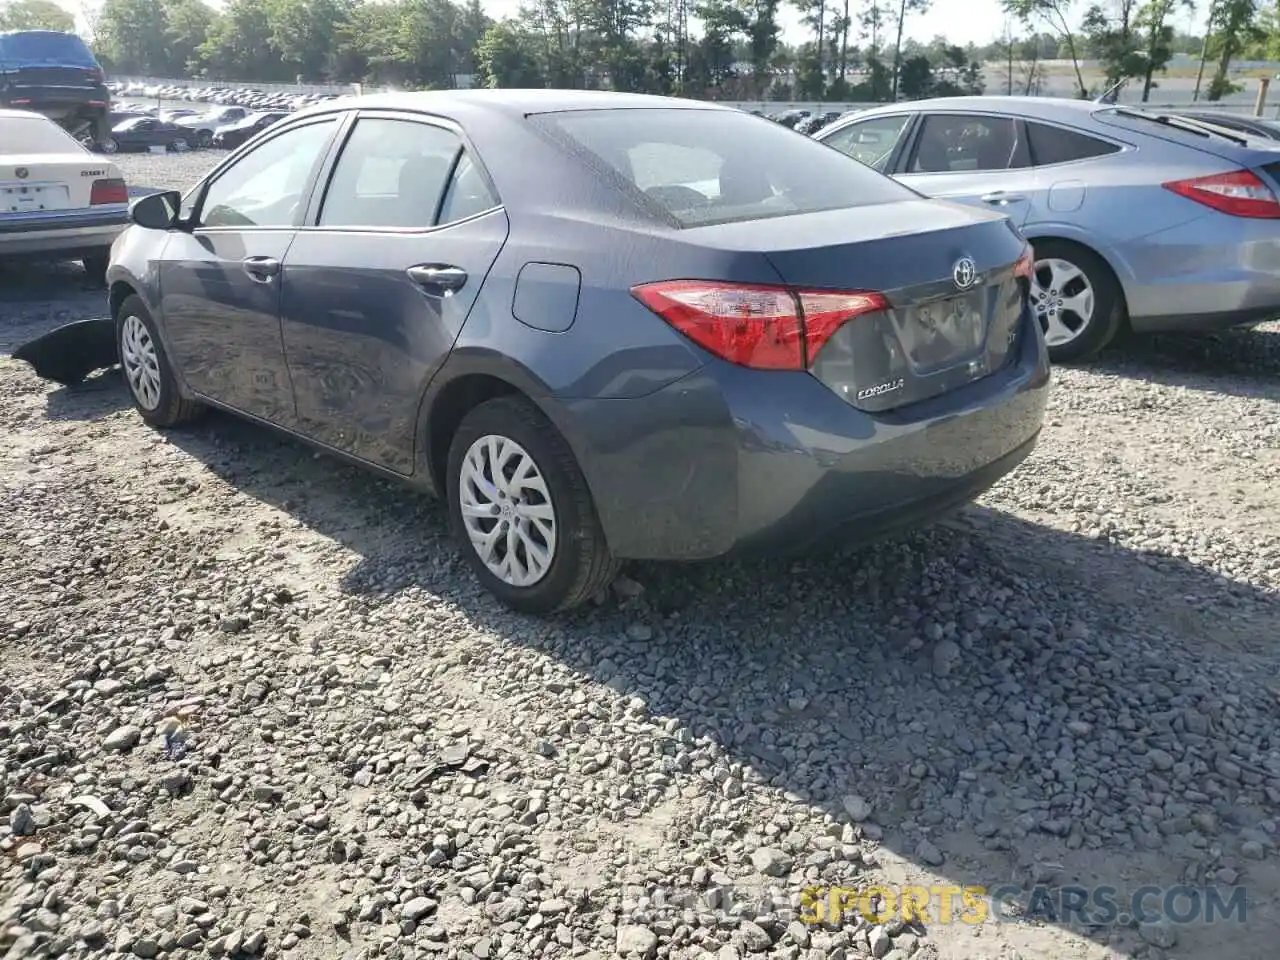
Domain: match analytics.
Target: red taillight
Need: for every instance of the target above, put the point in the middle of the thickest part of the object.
(108, 191)
(756, 325)
(1026, 263)
(1240, 194)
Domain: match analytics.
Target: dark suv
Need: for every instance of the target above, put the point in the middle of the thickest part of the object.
(55, 74)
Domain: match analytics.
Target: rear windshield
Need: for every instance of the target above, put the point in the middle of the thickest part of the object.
(45, 48)
(35, 134)
(720, 166)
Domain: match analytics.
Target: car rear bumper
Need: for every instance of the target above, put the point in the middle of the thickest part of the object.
(1212, 273)
(729, 460)
(66, 233)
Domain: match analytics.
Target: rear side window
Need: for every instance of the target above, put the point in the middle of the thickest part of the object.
(35, 134)
(1059, 145)
(45, 48)
(721, 166)
(391, 174)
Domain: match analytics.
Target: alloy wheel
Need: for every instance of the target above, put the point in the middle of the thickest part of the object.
(507, 510)
(1063, 300)
(141, 362)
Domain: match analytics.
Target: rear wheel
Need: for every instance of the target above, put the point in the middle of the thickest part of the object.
(147, 370)
(1076, 299)
(520, 507)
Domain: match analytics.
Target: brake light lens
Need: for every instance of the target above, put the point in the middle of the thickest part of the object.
(760, 326)
(1238, 194)
(108, 191)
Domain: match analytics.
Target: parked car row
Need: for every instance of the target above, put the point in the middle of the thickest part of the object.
(246, 97)
(1141, 220)
(693, 333)
(141, 127)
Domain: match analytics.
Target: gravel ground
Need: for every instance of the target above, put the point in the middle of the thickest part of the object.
(252, 703)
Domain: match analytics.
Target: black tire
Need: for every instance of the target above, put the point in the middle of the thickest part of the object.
(173, 409)
(581, 565)
(1108, 300)
(95, 268)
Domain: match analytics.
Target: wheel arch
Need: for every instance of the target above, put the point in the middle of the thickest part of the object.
(468, 378)
(1071, 237)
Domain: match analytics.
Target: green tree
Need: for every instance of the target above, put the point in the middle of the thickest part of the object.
(507, 56)
(905, 9)
(35, 15)
(1158, 38)
(1113, 38)
(1056, 15)
(1233, 25)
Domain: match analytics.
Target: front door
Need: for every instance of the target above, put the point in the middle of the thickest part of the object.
(976, 159)
(220, 282)
(377, 290)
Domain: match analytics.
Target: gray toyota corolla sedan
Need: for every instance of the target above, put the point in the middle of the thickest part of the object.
(601, 326)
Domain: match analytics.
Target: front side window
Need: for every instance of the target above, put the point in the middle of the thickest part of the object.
(720, 166)
(390, 175)
(959, 143)
(265, 187)
(870, 141)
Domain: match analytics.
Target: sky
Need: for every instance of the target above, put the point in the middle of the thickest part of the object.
(960, 21)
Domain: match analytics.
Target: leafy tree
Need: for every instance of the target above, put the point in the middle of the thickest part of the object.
(1158, 38)
(35, 15)
(507, 56)
(1057, 16)
(905, 9)
(1233, 24)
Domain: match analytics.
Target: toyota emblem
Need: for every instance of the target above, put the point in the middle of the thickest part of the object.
(964, 273)
(22, 173)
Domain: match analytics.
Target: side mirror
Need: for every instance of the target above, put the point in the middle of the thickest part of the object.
(157, 211)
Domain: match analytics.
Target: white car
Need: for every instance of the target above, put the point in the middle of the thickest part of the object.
(57, 200)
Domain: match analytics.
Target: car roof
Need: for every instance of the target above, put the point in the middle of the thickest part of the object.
(6, 114)
(514, 102)
(1045, 108)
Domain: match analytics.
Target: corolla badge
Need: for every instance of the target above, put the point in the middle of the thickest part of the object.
(964, 273)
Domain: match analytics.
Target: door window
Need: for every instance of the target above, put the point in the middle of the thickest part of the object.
(958, 143)
(265, 187)
(390, 175)
(870, 141)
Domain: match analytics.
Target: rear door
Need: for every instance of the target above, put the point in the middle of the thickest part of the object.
(220, 282)
(378, 284)
(972, 158)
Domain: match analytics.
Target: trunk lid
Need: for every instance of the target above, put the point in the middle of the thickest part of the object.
(35, 182)
(946, 271)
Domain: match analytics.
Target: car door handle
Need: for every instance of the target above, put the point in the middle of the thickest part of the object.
(999, 197)
(261, 269)
(438, 278)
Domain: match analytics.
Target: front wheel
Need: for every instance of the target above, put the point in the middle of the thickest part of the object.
(152, 384)
(111, 145)
(1076, 299)
(520, 507)
(204, 138)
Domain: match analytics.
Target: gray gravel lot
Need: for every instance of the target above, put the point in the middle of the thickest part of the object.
(252, 702)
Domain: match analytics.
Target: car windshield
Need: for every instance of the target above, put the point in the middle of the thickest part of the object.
(36, 135)
(721, 166)
(41, 47)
